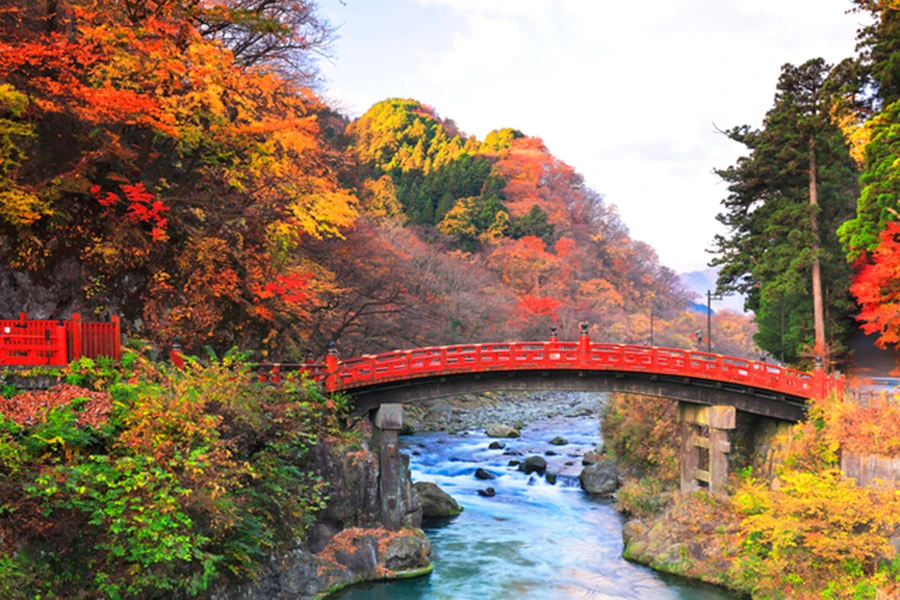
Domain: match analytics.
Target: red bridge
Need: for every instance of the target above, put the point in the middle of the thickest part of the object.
(693, 377)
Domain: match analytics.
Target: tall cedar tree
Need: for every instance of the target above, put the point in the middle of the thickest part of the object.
(787, 198)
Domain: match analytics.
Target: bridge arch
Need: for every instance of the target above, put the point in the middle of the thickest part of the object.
(709, 388)
(691, 377)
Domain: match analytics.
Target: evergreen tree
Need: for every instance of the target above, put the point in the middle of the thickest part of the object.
(535, 223)
(878, 72)
(787, 199)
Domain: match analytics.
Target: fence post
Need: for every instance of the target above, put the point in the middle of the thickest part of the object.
(331, 366)
(59, 345)
(175, 354)
(117, 338)
(77, 347)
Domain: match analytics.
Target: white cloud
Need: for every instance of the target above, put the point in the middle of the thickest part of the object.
(490, 45)
(533, 10)
(626, 93)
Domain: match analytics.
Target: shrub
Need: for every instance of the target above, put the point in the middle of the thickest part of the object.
(189, 477)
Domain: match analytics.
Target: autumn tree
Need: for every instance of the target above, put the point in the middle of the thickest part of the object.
(876, 288)
(162, 150)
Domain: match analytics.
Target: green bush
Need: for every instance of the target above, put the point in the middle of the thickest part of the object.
(197, 475)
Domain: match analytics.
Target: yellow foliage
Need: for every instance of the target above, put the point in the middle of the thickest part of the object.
(20, 208)
(324, 213)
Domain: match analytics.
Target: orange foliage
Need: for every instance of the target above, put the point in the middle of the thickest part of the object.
(31, 408)
(876, 287)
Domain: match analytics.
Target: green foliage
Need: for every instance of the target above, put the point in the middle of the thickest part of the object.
(198, 475)
(880, 181)
(643, 498)
(535, 223)
(428, 196)
(769, 250)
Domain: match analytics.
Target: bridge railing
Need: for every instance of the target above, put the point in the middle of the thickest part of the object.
(470, 358)
(351, 373)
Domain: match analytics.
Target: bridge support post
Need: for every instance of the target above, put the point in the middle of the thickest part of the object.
(705, 446)
(388, 422)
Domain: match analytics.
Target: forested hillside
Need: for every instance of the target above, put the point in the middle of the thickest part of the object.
(169, 162)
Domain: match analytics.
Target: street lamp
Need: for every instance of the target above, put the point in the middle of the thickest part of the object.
(709, 298)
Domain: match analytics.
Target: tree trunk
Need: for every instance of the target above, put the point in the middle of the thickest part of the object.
(818, 305)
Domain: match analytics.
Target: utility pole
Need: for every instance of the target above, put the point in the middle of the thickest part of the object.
(709, 298)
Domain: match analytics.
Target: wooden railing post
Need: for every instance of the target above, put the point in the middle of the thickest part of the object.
(117, 338)
(77, 347)
(331, 367)
(584, 344)
(175, 354)
(819, 379)
(59, 345)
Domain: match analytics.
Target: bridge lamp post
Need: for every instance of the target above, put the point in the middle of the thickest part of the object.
(709, 298)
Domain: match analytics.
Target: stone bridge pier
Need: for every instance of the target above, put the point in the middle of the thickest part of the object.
(705, 446)
(388, 420)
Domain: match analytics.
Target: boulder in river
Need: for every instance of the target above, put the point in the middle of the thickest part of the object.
(600, 478)
(495, 446)
(499, 430)
(436, 503)
(550, 477)
(559, 441)
(533, 464)
(487, 492)
(484, 474)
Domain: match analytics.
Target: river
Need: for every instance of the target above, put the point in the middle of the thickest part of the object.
(532, 540)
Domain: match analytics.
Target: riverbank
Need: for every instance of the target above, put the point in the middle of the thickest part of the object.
(531, 538)
(792, 525)
(517, 410)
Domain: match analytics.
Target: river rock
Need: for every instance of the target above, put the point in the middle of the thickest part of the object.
(550, 477)
(591, 458)
(498, 430)
(559, 441)
(533, 464)
(487, 492)
(495, 446)
(601, 478)
(436, 503)
(484, 474)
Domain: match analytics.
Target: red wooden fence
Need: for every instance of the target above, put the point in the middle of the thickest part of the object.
(33, 342)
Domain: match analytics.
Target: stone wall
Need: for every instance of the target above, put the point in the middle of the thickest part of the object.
(871, 470)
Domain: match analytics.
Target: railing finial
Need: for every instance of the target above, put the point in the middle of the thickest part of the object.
(584, 329)
(553, 336)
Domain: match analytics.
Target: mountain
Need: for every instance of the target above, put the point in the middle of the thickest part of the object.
(699, 282)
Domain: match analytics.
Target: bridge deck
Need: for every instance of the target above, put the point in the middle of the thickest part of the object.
(572, 365)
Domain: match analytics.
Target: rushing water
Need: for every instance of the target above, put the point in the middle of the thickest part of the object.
(532, 540)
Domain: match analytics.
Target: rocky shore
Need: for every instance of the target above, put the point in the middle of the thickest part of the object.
(468, 413)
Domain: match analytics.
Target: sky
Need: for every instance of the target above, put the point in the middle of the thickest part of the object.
(630, 94)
